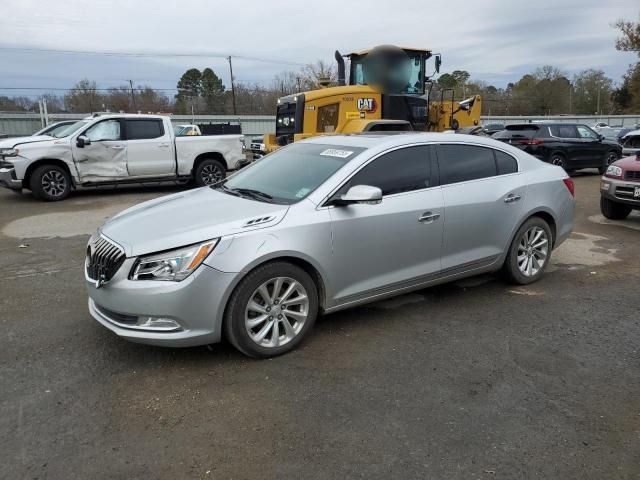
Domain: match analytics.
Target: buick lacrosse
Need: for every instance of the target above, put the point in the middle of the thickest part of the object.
(322, 225)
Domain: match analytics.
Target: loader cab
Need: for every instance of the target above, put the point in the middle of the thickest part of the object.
(393, 70)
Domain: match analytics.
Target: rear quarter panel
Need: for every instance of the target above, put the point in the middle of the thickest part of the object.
(188, 148)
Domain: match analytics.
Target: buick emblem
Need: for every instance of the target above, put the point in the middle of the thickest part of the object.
(101, 279)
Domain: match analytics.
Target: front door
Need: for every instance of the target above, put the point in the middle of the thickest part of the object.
(105, 159)
(483, 201)
(593, 147)
(377, 248)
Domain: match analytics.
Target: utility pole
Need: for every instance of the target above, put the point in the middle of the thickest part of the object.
(598, 108)
(133, 97)
(570, 99)
(233, 88)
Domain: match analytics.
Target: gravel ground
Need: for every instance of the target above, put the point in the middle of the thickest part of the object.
(475, 379)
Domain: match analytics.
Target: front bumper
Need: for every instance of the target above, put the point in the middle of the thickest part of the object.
(630, 151)
(620, 191)
(196, 304)
(8, 179)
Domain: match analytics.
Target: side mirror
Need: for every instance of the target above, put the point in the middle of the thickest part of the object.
(600, 137)
(83, 141)
(359, 194)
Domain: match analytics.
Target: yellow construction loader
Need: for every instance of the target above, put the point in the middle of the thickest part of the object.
(388, 90)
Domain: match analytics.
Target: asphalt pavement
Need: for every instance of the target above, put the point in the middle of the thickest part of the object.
(475, 379)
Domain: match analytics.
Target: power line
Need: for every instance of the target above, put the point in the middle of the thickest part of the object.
(150, 54)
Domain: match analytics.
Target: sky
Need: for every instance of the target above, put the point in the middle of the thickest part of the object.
(495, 40)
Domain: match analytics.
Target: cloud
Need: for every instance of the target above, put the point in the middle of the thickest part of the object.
(495, 40)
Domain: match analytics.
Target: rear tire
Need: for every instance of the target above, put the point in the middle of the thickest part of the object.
(50, 183)
(609, 158)
(266, 327)
(559, 160)
(208, 172)
(613, 210)
(529, 252)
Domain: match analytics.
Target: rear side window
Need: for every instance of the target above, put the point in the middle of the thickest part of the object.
(563, 131)
(144, 129)
(460, 163)
(518, 131)
(402, 170)
(506, 163)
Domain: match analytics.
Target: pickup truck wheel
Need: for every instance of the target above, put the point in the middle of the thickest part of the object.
(50, 183)
(613, 210)
(208, 172)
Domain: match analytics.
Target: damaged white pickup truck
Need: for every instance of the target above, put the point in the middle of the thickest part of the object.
(116, 149)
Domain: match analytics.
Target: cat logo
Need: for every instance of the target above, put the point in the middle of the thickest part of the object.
(367, 105)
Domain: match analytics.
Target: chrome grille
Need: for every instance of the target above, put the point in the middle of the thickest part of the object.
(104, 258)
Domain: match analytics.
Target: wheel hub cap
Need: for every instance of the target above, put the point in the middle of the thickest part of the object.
(533, 250)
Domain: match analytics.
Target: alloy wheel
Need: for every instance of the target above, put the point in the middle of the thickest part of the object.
(276, 312)
(211, 174)
(558, 160)
(54, 183)
(611, 157)
(533, 250)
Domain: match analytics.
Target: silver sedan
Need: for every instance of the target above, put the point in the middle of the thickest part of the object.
(319, 226)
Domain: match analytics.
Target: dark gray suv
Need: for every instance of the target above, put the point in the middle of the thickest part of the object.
(569, 145)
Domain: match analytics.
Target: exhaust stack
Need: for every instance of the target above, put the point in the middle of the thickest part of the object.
(341, 71)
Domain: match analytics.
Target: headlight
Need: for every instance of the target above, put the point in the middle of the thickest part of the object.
(8, 152)
(614, 171)
(174, 265)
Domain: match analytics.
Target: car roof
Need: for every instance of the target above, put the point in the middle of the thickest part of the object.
(382, 140)
(124, 115)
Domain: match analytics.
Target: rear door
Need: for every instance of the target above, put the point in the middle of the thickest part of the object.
(150, 148)
(483, 199)
(105, 159)
(578, 152)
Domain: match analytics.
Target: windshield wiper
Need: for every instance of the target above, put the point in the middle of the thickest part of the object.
(226, 189)
(256, 194)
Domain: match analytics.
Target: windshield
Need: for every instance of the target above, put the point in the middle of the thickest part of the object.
(68, 130)
(398, 74)
(291, 173)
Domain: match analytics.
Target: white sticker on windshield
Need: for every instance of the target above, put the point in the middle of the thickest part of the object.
(332, 152)
(302, 192)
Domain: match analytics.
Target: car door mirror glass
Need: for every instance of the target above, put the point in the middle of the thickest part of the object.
(83, 141)
(359, 194)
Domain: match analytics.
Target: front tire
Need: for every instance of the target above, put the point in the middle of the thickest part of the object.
(208, 172)
(529, 252)
(50, 183)
(609, 158)
(271, 310)
(613, 210)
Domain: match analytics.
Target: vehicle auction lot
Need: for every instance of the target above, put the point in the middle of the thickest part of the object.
(476, 379)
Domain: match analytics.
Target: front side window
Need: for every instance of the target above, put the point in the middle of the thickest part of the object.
(587, 133)
(144, 129)
(327, 118)
(67, 130)
(104, 131)
(402, 170)
(461, 163)
(291, 173)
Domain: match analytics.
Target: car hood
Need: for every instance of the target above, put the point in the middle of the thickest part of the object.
(16, 141)
(186, 218)
(628, 163)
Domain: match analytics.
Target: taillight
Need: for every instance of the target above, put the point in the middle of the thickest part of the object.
(531, 141)
(570, 186)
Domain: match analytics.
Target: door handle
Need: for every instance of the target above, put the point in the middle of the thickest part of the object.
(512, 198)
(428, 217)
(117, 147)
(163, 145)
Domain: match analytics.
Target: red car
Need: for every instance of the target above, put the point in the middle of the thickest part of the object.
(620, 188)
